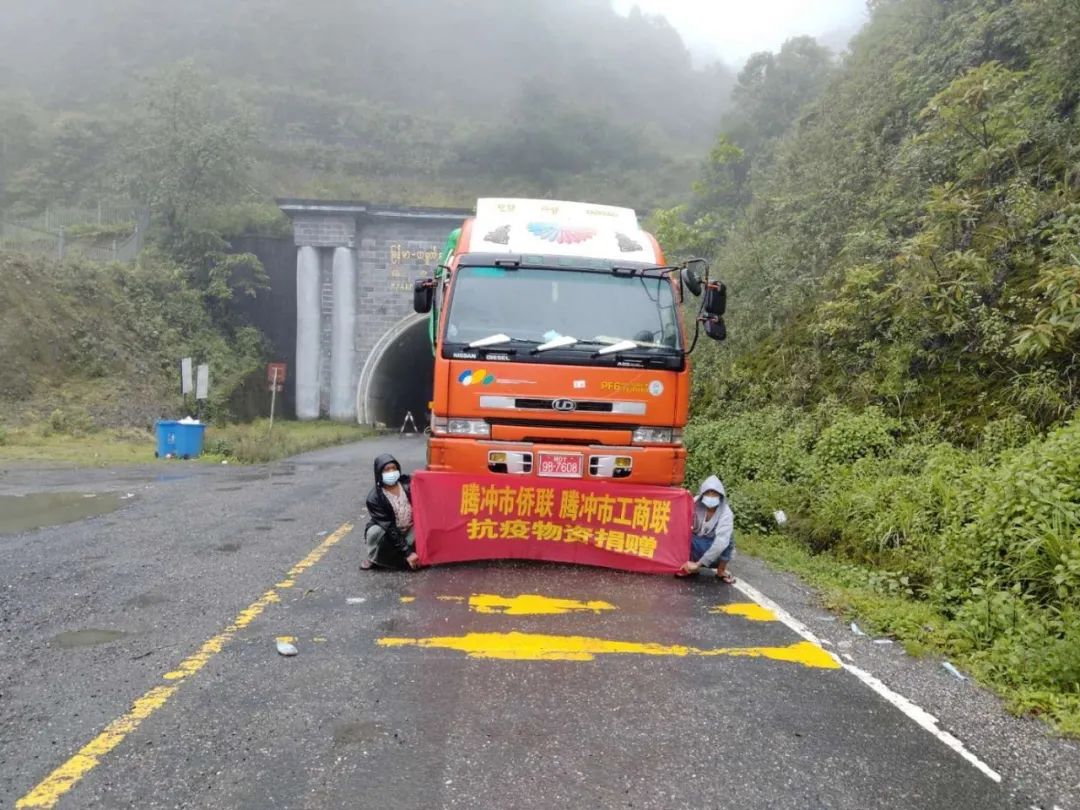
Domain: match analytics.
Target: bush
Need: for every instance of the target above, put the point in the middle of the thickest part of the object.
(255, 443)
(852, 436)
(1028, 527)
(69, 423)
(986, 538)
(770, 443)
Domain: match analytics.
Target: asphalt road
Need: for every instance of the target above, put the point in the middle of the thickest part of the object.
(138, 669)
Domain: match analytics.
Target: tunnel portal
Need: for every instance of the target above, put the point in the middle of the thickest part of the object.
(400, 378)
(361, 353)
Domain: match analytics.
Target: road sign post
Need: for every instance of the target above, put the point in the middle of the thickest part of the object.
(187, 384)
(275, 378)
(273, 399)
(202, 388)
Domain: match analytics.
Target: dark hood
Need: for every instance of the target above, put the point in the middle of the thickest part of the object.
(380, 463)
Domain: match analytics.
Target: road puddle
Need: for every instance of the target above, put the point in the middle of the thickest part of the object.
(19, 513)
(86, 638)
(146, 599)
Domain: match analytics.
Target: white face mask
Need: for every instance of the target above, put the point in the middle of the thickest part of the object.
(390, 477)
(711, 501)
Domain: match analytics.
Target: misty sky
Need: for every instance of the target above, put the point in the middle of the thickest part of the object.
(731, 30)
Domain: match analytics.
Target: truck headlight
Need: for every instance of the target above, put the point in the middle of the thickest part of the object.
(460, 427)
(655, 435)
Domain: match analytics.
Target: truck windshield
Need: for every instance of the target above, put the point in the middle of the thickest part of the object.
(538, 305)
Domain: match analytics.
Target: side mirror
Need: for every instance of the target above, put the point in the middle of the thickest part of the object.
(715, 328)
(690, 278)
(715, 298)
(422, 295)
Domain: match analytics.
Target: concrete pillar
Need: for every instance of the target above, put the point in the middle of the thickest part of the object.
(307, 332)
(342, 330)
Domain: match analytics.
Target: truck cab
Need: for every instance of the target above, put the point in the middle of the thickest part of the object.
(559, 347)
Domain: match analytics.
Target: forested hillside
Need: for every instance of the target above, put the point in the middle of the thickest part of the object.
(903, 253)
(202, 112)
(418, 102)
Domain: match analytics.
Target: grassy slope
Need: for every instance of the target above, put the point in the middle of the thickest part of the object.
(253, 443)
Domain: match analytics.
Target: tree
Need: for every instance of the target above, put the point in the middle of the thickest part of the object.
(74, 163)
(771, 92)
(184, 156)
(19, 139)
(773, 89)
(185, 152)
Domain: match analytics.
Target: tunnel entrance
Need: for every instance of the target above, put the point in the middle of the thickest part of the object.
(397, 378)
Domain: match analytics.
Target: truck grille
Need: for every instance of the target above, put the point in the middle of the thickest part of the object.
(545, 423)
(580, 405)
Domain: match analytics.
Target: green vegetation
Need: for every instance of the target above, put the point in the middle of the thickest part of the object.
(979, 544)
(251, 443)
(255, 443)
(98, 344)
(201, 114)
(417, 102)
(88, 345)
(904, 266)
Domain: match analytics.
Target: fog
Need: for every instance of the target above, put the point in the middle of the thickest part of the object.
(417, 101)
(731, 30)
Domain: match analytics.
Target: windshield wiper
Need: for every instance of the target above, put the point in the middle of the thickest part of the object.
(621, 346)
(559, 342)
(490, 340)
(612, 345)
(499, 341)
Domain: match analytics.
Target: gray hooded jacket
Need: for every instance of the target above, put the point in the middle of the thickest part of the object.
(722, 530)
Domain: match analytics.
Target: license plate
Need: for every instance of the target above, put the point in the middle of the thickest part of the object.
(561, 465)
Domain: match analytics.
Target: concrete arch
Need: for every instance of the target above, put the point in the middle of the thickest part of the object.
(397, 376)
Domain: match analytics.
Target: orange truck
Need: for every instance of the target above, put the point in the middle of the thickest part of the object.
(559, 347)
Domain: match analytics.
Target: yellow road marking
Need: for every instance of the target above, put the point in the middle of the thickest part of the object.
(748, 610)
(286, 639)
(540, 647)
(407, 599)
(49, 791)
(531, 604)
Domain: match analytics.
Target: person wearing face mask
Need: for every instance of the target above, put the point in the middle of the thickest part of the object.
(389, 534)
(712, 536)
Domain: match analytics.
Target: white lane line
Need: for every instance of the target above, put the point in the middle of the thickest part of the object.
(916, 713)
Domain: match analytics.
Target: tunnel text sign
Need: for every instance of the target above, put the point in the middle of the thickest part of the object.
(468, 517)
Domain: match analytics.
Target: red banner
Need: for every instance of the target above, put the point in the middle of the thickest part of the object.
(474, 517)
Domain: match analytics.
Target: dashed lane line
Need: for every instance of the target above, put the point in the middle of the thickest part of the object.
(52, 788)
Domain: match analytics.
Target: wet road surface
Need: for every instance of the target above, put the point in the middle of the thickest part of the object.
(139, 669)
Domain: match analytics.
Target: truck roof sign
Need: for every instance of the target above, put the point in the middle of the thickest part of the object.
(555, 227)
(559, 211)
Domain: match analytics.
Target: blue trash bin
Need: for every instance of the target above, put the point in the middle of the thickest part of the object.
(180, 439)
